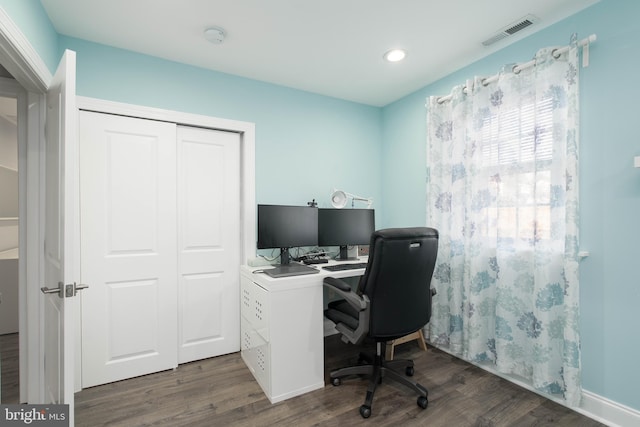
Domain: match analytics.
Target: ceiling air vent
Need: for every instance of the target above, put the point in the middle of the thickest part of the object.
(511, 29)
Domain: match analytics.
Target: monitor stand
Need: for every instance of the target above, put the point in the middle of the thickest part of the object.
(344, 254)
(286, 268)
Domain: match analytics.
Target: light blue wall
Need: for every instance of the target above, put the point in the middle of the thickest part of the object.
(308, 144)
(30, 17)
(609, 184)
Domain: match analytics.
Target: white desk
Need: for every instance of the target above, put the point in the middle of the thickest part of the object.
(282, 339)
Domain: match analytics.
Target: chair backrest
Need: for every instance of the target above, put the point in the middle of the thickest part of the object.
(397, 280)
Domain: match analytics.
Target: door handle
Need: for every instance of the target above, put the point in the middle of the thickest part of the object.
(76, 288)
(63, 291)
(59, 290)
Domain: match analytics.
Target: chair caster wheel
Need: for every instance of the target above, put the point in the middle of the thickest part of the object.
(423, 402)
(336, 382)
(365, 411)
(409, 371)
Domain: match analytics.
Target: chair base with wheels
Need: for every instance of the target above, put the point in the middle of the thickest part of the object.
(392, 302)
(379, 369)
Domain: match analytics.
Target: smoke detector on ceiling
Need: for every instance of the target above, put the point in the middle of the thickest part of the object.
(511, 29)
(214, 35)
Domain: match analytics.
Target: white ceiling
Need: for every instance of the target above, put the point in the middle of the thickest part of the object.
(329, 47)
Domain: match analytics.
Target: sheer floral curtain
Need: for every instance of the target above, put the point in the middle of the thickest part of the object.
(503, 192)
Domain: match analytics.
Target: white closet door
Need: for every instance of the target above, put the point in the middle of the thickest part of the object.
(129, 248)
(208, 242)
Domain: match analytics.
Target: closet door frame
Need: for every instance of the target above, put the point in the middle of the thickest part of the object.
(247, 154)
(246, 131)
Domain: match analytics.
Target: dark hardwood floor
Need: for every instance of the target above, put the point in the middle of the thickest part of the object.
(222, 392)
(10, 374)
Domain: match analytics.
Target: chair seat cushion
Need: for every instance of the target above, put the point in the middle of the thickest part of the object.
(342, 312)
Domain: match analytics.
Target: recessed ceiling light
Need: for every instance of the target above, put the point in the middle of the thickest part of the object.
(395, 55)
(214, 35)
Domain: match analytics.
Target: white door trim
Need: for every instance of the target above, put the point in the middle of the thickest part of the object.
(32, 201)
(247, 154)
(19, 57)
(12, 89)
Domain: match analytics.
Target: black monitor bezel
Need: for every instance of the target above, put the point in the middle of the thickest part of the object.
(286, 226)
(335, 228)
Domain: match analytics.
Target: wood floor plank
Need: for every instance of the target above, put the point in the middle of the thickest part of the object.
(222, 391)
(9, 353)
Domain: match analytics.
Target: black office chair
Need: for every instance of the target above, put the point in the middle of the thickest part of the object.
(393, 299)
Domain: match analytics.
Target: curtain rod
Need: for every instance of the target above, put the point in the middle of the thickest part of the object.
(556, 53)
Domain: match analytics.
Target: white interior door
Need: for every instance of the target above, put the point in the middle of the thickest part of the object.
(60, 238)
(129, 248)
(209, 243)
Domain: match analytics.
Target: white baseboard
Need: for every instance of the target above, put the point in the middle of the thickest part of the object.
(607, 411)
(593, 406)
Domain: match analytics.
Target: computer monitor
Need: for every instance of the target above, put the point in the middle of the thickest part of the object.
(345, 227)
(283, 227)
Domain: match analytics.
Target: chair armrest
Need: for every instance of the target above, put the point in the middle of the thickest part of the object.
(343, 289)
(358, 302)
(337, 283)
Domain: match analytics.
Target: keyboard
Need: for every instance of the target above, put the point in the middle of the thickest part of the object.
(348, 266)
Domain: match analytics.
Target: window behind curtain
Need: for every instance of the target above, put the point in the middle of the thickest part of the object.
(502, 190)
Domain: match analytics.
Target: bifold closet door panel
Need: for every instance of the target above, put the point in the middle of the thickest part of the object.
(129, 246)
(208, 243)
